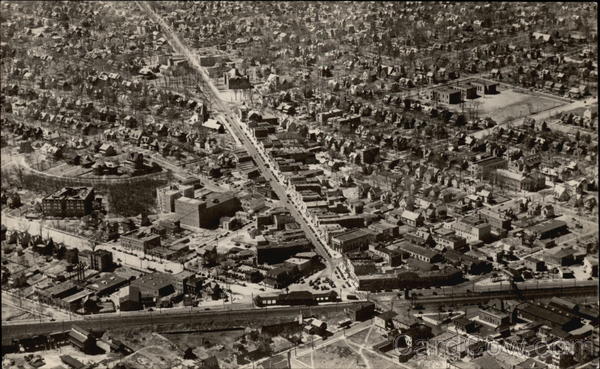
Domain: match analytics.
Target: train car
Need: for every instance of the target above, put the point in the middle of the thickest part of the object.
(295, 298)
(531, 285)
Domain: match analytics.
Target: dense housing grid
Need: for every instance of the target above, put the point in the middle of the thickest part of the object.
(299, 184)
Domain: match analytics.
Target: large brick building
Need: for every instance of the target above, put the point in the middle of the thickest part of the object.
(206, 211)
(486, 167)
(357, 239)
(468, 90)
(472, 229)
(156, 286)
(517, 181)
(69, 202)
(496, 218)
(100, 260)
(165, 197)
(449, 95)
(485, 88)
(140, 240)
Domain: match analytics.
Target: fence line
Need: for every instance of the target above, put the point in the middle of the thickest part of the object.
(37, 228)
(97, 181)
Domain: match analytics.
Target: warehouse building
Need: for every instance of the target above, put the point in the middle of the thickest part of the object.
(550, 229)
(155, 287)
(206, 212)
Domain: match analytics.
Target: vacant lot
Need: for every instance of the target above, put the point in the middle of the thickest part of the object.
(219, 344)
(379, 362)
(510, 104)
(142, 338)
(337, 355)
(152, 357)
(10, 312)
(367, 337)
(350, 352)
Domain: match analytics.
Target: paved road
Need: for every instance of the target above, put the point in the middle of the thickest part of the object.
(233, 123)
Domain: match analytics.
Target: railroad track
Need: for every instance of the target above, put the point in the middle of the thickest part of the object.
(476, 298)
(222, 318)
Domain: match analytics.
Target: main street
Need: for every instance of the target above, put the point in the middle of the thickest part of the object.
(233, 124)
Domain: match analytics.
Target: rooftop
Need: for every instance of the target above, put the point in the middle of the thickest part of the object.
(140, 234)
(387, 315)
(414, 249)
(103, 281)
(60, 289)
(548, 226)
(72, 193)
(152, 283)
(544, 314)
(351, 235)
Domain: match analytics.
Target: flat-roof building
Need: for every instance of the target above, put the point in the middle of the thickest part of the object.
(130, 299)
(206, 211)
(140, 240)
(356, 239)
(420, 253)
(540, 314)
(69, 202)
(549, 229)
(472, 229)
(166, 197)
(154, 286)
(494, 318)
(106, 283)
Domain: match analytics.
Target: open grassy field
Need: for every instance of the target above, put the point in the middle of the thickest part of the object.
(511, 104)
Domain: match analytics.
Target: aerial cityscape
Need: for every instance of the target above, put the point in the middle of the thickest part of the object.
(299, 185)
